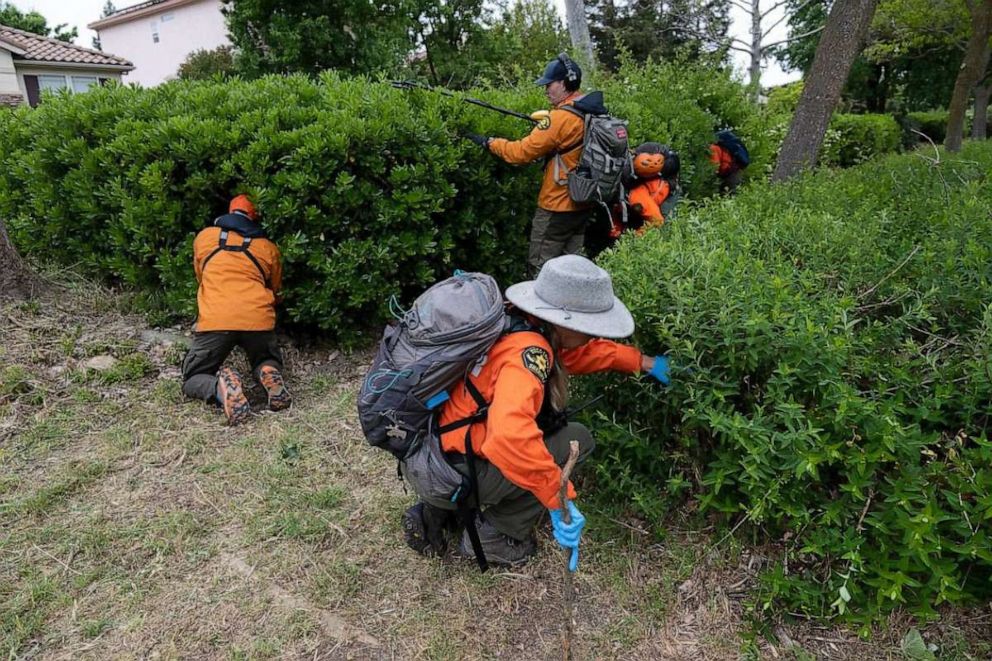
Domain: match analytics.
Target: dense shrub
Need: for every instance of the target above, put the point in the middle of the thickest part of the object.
(855, 139)
(833, 344)
(931, 123)
(369, 190)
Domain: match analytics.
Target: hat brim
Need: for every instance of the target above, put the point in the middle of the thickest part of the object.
(616, 323)
(544, 80)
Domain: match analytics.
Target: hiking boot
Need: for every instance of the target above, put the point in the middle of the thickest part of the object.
(424, 529)
(232, 396)
(271, 379)
(500, 550)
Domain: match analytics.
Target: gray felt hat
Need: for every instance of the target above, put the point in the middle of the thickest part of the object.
(572, 292)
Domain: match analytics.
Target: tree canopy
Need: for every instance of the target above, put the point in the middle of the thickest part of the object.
(35, 22)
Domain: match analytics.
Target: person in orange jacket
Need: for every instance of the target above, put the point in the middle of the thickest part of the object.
(239, 271)
(562, 318)
(559, 224)
(648, 195)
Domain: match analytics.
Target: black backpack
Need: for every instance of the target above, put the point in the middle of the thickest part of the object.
(729, 141)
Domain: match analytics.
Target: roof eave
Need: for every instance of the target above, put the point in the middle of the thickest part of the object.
(123, 68)
(16, 50)
(127, 17)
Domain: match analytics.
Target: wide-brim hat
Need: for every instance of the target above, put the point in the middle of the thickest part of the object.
(572, 292)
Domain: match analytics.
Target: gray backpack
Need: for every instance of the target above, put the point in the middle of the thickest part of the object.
(433, 346)
(605, 160)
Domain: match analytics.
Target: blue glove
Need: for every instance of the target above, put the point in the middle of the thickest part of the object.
(568, 534)
(661, 370)
(480, 140)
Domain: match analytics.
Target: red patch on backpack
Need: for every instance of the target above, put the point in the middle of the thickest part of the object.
(621, 132)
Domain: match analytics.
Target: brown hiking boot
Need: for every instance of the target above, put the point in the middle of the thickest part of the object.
(500, 550)
(232, 396)
(271, 379)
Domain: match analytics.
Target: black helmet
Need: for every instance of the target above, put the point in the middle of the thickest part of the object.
(564, 69)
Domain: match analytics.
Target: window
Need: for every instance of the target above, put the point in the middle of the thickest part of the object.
(168, 17)
(84, 83)
(54, 83)
(155, 32)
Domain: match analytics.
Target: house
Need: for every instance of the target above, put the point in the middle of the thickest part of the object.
(158, 35)
(30, 64)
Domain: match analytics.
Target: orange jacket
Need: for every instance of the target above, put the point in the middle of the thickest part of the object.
(648, 197)
(511, 380)
(722, 159)
(233, 294)
(565, 130)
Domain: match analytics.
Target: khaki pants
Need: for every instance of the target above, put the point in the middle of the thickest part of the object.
(555, 233)
(511, 510)
(209, 351)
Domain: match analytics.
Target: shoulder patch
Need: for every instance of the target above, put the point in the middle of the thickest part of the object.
(538, 361)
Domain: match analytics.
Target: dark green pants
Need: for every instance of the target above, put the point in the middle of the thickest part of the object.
(511, 510)
(555, 233)
(210, 350)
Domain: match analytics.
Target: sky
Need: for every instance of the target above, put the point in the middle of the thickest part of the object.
(81, 12)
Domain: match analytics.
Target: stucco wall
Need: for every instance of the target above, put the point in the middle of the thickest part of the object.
(192, 27)
(8, 78)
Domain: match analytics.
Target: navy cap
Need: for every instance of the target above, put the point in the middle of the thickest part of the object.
(554, 71)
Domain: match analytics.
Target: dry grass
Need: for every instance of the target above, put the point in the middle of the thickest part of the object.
(133, 523)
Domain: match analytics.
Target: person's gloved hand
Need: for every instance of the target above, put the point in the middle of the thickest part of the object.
(568, 534)
(661, 370)
(481, 140)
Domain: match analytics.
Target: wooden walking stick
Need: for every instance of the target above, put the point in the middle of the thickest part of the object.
(566, 472)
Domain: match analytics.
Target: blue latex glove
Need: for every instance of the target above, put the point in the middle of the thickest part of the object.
(568, 534)
(661, 370)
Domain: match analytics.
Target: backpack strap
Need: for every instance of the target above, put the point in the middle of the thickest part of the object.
(222, 244)
(465, 510)
(556, 156)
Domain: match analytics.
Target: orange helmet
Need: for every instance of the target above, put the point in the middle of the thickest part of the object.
(649, 159)
(243, 204)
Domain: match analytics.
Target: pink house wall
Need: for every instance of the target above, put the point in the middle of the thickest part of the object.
(182, 30)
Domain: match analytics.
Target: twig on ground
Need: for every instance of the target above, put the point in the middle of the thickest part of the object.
(891, 273)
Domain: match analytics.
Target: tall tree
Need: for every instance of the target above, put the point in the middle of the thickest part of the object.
(842, 40)
(108, 9)
(658, 29)
(34, 22)
(976, 58)
(355, 36)
(578, 30)
(980, 122)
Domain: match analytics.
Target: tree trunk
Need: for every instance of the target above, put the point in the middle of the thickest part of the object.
(842, 40)
(578, 30)
(975, 59)
(16, 280)
(980, 127)
(754, 71)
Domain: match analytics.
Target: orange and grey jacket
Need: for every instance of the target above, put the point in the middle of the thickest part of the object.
(563, 136)
(647, 197)
(724, 162)
(512, 379)
(235, 294)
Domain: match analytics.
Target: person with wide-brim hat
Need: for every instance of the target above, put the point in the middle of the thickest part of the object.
(561, 322)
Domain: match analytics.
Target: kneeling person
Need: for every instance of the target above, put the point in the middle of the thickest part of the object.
(240, 275)
(560, 322)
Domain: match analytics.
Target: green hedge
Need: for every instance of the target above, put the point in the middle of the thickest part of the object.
(369, 190)
(833, 344)
(854, 139)
(932, 124)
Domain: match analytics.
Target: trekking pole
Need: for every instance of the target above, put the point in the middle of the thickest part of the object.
(413, 84)
(573, 458)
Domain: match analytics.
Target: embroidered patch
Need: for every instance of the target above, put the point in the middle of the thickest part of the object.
(544, 123)
(538, 361)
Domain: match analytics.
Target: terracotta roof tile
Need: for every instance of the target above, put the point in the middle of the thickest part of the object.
(45, 49)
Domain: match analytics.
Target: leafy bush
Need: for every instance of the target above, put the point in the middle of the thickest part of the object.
(833, 348)
(855, 139)
(204, 64)
(931, 123)
(368, 190)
